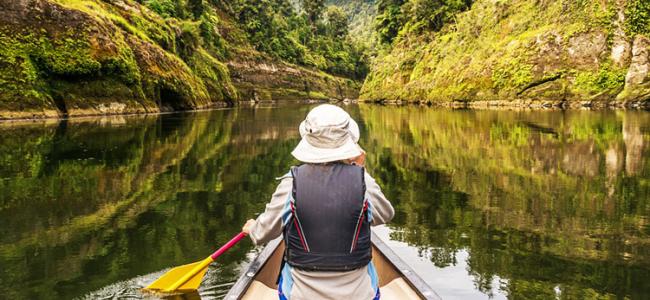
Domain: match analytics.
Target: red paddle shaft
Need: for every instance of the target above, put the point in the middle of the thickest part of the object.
(228, 245)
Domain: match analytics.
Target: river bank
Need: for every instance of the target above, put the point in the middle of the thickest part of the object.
(525, 104)
(54, 116)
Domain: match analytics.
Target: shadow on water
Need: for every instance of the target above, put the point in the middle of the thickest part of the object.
(527, 204)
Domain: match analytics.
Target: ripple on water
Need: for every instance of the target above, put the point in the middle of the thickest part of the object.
(212, 287)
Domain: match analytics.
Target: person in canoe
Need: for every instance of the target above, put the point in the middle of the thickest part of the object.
(324, 209)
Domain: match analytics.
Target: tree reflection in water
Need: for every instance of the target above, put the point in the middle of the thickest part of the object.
(555, 203)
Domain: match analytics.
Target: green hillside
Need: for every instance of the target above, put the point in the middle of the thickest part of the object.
(524, 53)
(85, 57)
(80, 57)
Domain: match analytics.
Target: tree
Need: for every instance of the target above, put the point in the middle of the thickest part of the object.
(196, 7)
(416, 15)
(314, 9)
(434, 14)
(638, 14)
(389, 19)
(337, 21)
(273, 27)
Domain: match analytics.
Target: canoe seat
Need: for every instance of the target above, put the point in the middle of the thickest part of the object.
(398, 289)
(259, 291)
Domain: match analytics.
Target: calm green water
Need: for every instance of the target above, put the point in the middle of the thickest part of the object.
(501, 204)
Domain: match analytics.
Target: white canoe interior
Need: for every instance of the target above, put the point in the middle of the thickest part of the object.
(392, 283)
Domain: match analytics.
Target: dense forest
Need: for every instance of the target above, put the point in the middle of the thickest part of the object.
(316, 36)
(79, 57)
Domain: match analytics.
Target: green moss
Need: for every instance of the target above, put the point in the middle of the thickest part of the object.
(215, 75)
(165, 8)
(188, 40)
(68, 57)
(88, 6)
(606, 78)
(211, 37)
(20, 83)
(94, 92)
(153, 28)
(123, 66)
(288, 94)
(638, 14)
(604, 14)
(126, 26)
(318, 96)
(512, 74)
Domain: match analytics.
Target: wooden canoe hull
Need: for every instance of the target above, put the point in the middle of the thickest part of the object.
(396, 279)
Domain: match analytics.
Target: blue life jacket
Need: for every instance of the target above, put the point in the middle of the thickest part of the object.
(329, 228)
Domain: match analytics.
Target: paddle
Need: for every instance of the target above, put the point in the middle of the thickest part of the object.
(188, 277)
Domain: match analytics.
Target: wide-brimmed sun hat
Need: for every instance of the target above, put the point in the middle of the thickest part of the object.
(328, 134)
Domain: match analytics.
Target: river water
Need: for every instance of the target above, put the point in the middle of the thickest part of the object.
(489, 204)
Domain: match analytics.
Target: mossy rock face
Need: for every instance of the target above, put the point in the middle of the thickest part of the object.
(87, 57)
(81, 57)
(637, 83)
(519, 50)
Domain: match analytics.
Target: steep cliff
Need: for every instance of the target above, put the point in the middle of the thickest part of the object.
(522, 53)
(86, 57)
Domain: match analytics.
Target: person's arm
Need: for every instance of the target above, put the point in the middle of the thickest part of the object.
(382, 210)
(268, 225)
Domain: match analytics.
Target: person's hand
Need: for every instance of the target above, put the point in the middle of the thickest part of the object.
(359, 160)
(247, 227)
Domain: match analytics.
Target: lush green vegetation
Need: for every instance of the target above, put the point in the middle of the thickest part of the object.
(151, 55)
(167, 54)
(638, 12)
(316, 38)
(401, 17)
(437, 51)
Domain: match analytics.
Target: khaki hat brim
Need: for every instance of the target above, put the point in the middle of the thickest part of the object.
(305, 152)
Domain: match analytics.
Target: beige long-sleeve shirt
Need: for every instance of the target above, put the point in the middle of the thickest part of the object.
(354, 284)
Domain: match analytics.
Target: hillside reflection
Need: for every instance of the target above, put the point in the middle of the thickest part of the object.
(86, 203)
(553, 203)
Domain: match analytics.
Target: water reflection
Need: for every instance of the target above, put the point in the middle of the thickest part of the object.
(554, 202)
(87, 203)
(521, 204)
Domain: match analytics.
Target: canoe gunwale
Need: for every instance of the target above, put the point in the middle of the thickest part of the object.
(254, 267)
(412, 278)
(246, 278)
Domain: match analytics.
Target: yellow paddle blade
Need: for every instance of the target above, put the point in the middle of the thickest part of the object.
(169, 280)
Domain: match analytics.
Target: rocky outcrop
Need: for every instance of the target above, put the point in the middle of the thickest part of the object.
(260, 81)
(520, 53)
(91, 58)
(637, 80)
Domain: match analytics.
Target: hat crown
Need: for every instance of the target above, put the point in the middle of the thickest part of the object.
(327, 115)
(328, 134)
(328, 126)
